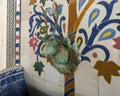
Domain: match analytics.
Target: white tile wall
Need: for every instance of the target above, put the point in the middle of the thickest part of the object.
(61, 80)
(52, 89)
(26, 49)
(51, 74)
(86, 80)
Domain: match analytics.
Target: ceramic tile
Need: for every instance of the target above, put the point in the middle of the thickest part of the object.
(86, 79)
(17, 41)
(52, 89)
(28, 78)
(76, 94)
(26, 9)
(106, 89)
(51, 74)
(27, 63)
(17, 25)
(39, 84)
(61, 91)
(17, 57)
(25, 28)
(61, 80)
(26, 50)
(36, 75)
(12, 81)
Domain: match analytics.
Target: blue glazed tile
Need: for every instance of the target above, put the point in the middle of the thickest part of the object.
(0, 92)
(13, 72)
(17, 13)
(21, 83)
(5, 94)
(20, 76)
(9, 93)
(15, 85)
(3, 82)
(19, 70)
(8, 73)
(3, 75)
(10, 87)
(0, 77)
(17, 61)
(8, 80)
(18, 92)
(3, 90)
(12, 83)
(17, 29)
(13, 78)
(17, 44)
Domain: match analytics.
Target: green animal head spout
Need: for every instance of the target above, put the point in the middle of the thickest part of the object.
(51, 47)
(63, 57)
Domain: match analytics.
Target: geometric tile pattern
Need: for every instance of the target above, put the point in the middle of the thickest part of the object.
(12, 82)
(18, 31)
(13, 32)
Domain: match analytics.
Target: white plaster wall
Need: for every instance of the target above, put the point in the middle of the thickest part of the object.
(3, 24)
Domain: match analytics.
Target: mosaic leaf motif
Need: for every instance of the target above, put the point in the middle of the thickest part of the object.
(107, 69)
(80, 3)
(108, 7)
(55, 10)
(64, 27)
(50, 11)
(33, 43)
(83, 31)
(79, 42)
(93, 15)
(107, 34)
(38, 67)
(32, 2)
(117, 43)
(60, 7)
(43, 2)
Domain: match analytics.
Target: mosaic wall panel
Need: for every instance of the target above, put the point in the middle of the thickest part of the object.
(93, 26)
